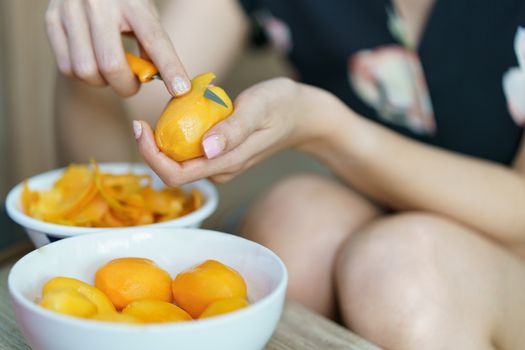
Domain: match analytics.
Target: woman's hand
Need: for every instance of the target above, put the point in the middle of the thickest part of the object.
(269, 116)
(86, 39)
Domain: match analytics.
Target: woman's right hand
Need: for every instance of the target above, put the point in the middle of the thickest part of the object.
(86, 39)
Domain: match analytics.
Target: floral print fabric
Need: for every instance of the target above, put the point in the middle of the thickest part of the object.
(514, 81)
(391, 80)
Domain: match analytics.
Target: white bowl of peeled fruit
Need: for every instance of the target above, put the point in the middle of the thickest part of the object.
(149, 288)
(86, 198)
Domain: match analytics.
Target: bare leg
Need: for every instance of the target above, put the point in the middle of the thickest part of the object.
(91, 123)
(420, 281)
(95, 123)
(304, 219)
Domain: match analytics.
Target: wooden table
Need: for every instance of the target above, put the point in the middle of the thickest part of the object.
(299, 329)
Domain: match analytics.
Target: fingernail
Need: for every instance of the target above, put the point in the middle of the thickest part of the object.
(180, 85)
(137, 129)
(213, 145)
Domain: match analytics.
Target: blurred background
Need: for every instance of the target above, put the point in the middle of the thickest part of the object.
(27, 140)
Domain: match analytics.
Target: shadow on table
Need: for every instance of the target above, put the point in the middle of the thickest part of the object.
(12, 237)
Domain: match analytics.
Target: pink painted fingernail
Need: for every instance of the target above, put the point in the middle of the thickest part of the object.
(137, 129)
(213, 145)
(180, 85)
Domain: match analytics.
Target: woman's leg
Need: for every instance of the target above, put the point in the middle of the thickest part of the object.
(304, 219)
(420, 281)
(91, 123)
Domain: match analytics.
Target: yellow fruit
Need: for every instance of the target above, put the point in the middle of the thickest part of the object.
(186, 119)
(195, 289)
(224, 306)
(94, 295)
(85, 196)
(72, 192)
(68, 302)
(128, 279)
(154, 311)
(116, 317)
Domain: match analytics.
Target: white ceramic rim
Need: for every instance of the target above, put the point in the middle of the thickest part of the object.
(161, 327)
(13, 210)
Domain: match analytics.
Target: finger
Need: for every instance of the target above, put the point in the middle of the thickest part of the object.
(171, 172)
(158, 46)
(143, 53)
(222, 179)
(220, 174)
(167, 169)
(232, 131)
(109, 51)
(81, 51)
(57, 38)
(256, 148)
(233, 163)
(176, 174)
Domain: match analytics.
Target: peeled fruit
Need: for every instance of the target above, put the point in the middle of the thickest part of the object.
(126, 280)
(68, 302)
(224, 306)
(136, 290)
(154, 311)
(92, 294)
(116, 317)
(195, 289)
(186, 119)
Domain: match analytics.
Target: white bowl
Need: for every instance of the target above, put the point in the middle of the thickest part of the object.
(173, 250)
(42, 233)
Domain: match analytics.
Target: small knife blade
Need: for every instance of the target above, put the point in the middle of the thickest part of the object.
(146, 71)
(210, 95)
(214, 97)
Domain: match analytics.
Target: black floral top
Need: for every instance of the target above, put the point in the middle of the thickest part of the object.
(462, 88)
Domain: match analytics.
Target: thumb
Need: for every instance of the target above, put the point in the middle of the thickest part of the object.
(229, 133)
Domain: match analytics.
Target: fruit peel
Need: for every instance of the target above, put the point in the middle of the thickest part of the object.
(186, 119)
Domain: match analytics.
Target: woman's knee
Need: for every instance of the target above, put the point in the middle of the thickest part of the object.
(305, 199)
(391, 241)
(388, 281)
(387, 248)
(304, 219)
(279, 204)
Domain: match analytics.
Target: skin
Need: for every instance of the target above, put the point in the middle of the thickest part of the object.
(443, 269)
(76, 28)
(79, 117)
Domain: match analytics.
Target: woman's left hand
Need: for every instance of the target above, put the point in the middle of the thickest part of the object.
(268, 117)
